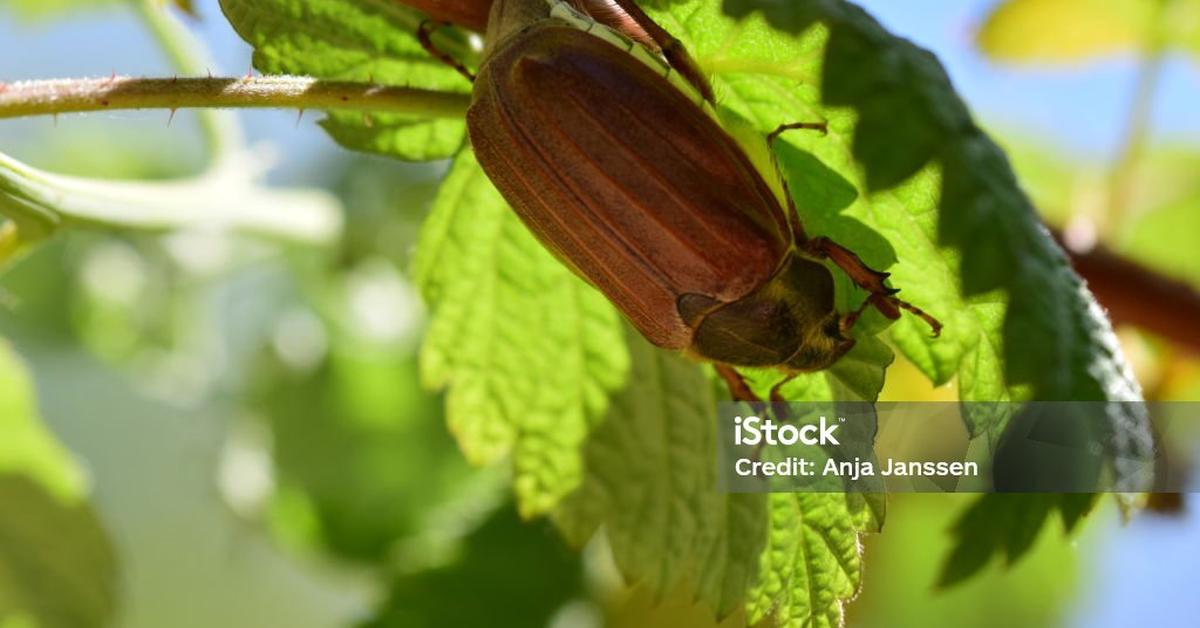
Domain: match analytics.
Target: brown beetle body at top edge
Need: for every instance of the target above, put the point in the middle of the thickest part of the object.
(636, 189)
(632, 183)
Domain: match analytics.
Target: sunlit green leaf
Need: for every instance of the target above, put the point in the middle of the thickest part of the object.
(1165, 206)
(360, 40)
(1058, 31)
(45, 9)
(966, 240)
(534, 361)
(528, 353)
(1066, 30)
(651, 485)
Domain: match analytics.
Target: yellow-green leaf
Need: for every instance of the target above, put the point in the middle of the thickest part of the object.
(1066, 30)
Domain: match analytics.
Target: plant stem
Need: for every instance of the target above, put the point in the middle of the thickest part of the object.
(190, 57)
(1124, 171)
(39, 203)
(51, 97)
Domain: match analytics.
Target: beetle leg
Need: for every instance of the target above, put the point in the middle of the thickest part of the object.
(866, 277)
(738, 388)
(812, 126)
(425, 36)
(869, 279)
(933, 323)
(628, 18)
(777, 389)
(848, 321)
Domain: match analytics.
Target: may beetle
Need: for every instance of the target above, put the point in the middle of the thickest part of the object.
(610, 152)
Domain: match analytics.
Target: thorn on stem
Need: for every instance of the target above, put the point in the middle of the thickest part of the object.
(171, 118)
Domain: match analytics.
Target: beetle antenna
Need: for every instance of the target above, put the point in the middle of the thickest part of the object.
(425, 36)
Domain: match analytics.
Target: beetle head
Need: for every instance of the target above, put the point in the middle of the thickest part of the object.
(822, 332)
(789, 323)
(823, 345)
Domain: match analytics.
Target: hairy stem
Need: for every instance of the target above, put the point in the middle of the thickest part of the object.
(50, 97)
(189, 56)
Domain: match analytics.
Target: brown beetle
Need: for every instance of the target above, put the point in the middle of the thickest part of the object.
(622, 171)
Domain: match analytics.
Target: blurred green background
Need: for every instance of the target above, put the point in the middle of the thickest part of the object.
(246, 419)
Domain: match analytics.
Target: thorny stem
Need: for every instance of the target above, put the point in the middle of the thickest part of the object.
(51, 97)
(190, 57)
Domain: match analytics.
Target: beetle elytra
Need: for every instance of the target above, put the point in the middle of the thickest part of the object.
(610, 152)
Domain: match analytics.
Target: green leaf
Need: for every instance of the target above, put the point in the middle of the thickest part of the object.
(1019, 323)
(363, 452)
(28, 447)
(1066, 30)
(57, 569)
(1006, 525)
(1056, 31)
(651, 484)
(507, 568)
(770, 78)
(1165, 228)
(812, 562)
(47, 9)
(536, 365)
(528, 352)
(358, 40)
(535, 361)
